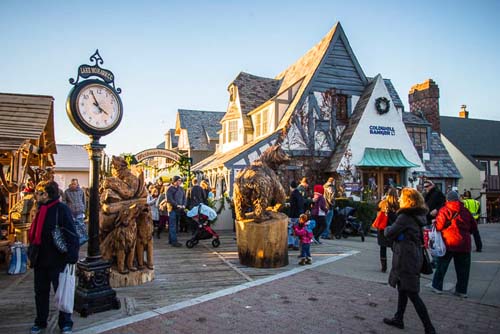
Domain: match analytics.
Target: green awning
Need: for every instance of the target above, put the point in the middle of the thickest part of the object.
(383, 157)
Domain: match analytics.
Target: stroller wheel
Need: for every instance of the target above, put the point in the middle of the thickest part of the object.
(195, 241)
(216, 243)
(345, 235)
(190, 243)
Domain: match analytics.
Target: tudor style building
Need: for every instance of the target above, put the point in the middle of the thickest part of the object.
(330, 118)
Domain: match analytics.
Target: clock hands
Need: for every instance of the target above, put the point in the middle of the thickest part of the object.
(97, 104)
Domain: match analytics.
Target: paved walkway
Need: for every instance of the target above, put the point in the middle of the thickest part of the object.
(342, 292)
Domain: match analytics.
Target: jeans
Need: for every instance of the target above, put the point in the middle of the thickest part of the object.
(462, 269)
(417, 303)
(44, 277)
(305, 250)
(329, 218)
(173, 222)
(292, 240)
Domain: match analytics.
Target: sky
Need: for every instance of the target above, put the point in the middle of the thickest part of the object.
(169, 55)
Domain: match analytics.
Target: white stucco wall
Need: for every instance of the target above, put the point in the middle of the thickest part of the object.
(362, 138)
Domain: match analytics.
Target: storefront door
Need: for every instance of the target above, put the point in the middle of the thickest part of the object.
(376, 182)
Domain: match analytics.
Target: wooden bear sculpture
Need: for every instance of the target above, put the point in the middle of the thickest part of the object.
(144, 238)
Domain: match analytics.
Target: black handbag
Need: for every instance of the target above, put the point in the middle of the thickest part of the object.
(58, 236)
(426, 263)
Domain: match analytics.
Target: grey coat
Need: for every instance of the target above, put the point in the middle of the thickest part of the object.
(407, 258)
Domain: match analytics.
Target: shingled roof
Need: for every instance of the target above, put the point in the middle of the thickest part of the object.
(440, 165)
(254, 90)
(202, 127)
(72, 158)
(473, 137)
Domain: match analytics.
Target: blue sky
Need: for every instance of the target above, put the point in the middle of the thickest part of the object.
(168, 55)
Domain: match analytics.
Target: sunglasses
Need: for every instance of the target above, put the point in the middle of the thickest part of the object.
(40, 193)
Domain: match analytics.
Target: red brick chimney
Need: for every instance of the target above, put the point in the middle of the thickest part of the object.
(463, 113)
(424, 97)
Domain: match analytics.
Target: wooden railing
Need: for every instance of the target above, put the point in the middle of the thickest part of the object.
(493, 182)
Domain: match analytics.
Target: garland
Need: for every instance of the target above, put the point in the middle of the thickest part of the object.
(382, 105)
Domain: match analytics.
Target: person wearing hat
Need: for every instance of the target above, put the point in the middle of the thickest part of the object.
(176, 203)
(456, 225)
(296, 209)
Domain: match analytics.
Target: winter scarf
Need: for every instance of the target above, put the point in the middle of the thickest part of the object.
(35, 234)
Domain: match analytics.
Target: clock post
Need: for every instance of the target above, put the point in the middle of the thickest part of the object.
(95, 109)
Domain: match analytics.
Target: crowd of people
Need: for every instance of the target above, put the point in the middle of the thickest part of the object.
(408, 213)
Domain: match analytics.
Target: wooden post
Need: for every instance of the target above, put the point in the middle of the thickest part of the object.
(264, 244)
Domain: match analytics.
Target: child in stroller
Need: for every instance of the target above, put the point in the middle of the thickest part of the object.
(202, 215)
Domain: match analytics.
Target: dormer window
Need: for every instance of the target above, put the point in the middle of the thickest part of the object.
(261, 123)
(232, 131)
(418, 136)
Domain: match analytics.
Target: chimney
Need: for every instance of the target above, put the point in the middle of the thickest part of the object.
(424, 97)
(463, 112)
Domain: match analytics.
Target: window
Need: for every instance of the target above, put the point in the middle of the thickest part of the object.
(232, 131)
(485, 165)
(418, 136)
(261, 123)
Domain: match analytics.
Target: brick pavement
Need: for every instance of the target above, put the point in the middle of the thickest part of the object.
(319, 302)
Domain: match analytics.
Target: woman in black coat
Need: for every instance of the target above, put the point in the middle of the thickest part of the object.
(407, 237)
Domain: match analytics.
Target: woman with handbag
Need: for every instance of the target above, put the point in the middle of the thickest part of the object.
(407, 237)
(386, 217)
(456, 225)
(48, 262)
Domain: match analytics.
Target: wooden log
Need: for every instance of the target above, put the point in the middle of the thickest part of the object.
(133, 278)
(264, 244)
(119, 206)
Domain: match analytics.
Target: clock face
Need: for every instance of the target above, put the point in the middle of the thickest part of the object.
(98, 106)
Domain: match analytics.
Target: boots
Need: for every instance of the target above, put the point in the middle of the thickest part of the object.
(158, 231)
(383, 263)
(394, 322)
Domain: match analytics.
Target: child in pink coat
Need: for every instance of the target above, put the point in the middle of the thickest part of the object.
(305, 235)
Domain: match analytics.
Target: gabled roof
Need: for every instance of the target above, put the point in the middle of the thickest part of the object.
(307, 67)
(351, 127)
(473, 137)
(26, 117)
(392, 92)
(440, 165)
(71, 158)
(410, 118)
(202, 127)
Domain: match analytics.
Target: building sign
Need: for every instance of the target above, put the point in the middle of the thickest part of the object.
(157, 152)
(382, 130)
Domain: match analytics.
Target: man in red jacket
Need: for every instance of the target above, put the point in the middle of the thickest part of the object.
(456, 225)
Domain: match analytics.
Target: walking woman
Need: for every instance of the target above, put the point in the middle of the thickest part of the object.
(407, 237)
(388, 207)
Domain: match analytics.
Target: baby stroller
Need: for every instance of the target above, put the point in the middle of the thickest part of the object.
(346, 224)
(202, 215)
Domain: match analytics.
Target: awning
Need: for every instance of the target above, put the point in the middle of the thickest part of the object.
(383, 157)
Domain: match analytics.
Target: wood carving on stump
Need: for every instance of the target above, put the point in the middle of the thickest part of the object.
(261, 232)
(257, 186)
(125, 226)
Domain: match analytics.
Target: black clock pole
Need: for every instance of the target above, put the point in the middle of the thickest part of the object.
(93, 293)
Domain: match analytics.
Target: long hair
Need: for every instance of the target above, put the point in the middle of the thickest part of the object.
(411, 198)
(391, 201)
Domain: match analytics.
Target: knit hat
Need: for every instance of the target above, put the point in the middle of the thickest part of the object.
(318, 188)
(452, 196)
(293, 184)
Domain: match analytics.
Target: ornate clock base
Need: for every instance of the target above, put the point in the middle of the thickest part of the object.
(93, 293)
